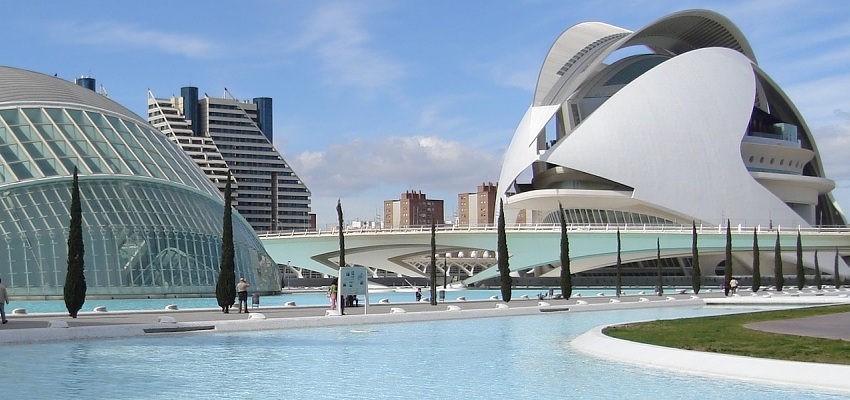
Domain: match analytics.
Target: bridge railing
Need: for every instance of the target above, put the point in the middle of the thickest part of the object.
(544, 227)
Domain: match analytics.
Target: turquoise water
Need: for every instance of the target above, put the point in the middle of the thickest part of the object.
(301, 299)
(515, 358)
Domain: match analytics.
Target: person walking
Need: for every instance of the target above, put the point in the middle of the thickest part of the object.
(242, 292)
(4, 299)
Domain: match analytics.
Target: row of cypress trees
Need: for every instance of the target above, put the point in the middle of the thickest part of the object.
(696, 277)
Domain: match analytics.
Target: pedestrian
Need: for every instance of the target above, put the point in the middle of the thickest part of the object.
(733, 285)
(727, 285)
(332, 295)
(418, 294)
(242, 292)
(4, 299)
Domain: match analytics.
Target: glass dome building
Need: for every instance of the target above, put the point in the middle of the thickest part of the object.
(151, 218)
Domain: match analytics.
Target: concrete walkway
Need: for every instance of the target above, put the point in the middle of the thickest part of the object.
(30, 328)
(833, 326)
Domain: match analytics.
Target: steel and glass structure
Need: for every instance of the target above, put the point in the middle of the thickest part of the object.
(151, 219)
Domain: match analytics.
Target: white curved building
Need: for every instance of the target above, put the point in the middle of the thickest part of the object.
(672, 123)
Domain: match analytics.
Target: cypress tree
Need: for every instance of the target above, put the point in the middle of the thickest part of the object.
(75, 279)
(777, 265)
(505, 281)
(835, 276)
(801, 274)
(225, 288)
(696, 274)
(727, 268)
(756, 262)
(341, 235)
(566, 279)
(433, 263)
(818, 282)
(619, 281)
(658, 266)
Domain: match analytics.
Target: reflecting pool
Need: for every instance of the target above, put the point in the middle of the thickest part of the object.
(510, 357)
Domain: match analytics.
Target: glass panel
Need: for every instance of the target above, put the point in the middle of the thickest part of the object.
(36, 149)
(11, 116)
(23, 170)
(48, 132)
(36, 116)
(24, 133)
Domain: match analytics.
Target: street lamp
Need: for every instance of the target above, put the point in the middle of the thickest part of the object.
(286, 273)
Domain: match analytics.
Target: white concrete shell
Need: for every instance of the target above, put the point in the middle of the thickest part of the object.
(688, 129)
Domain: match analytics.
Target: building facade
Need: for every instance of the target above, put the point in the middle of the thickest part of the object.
(151, 219)
(225, 135)
(412, 209)
(479, 208)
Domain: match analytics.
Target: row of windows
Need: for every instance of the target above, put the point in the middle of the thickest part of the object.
(254, 164)
(795, 164)
(251, 156)
(235, 131)
(247, 148)
(224, 107)
(242, 139)
(231, 123)
(227, 115)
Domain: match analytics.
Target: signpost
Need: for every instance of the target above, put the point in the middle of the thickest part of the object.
(353, 281)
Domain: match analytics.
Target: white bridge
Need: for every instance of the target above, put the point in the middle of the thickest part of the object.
(535, 249)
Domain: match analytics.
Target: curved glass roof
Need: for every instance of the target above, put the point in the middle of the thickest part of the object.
(42, 137)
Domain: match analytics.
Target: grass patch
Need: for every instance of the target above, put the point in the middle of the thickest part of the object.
(726, 334)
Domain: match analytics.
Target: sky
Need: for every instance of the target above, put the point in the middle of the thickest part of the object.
(374, 98)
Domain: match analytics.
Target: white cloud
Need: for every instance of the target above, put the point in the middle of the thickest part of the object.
(337, 34)
(417, 162)
(123, 35)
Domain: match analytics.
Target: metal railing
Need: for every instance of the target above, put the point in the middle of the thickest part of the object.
(546, 227)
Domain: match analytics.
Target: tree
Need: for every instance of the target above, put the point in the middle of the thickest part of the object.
(658, 266)
(835, 276)
(341, 235)
(433, 263)
(777, 265)
(505, 281)
(727, 268)
(619, 281)
(818, 282)
(566, 279)
(696, 274)
(75, 279)
(225, 288)
(756, 262)
(801, 274)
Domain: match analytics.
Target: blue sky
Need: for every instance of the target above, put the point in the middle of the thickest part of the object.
(375, 97)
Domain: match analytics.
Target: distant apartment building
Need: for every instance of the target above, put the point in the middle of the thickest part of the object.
(227, 135)
(479, 208)
(412, 209)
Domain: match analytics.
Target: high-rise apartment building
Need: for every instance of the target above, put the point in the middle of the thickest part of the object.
(477, 209)
(413, 209)
(227, 135)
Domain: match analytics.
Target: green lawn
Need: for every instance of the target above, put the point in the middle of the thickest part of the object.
(726, 334)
